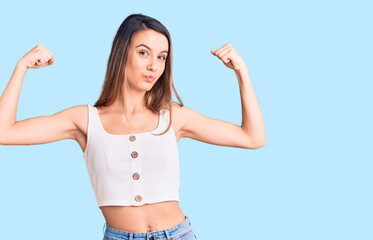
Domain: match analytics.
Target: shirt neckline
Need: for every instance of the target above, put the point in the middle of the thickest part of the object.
(125, 135)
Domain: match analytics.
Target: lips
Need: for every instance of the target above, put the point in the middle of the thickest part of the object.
(150, 78)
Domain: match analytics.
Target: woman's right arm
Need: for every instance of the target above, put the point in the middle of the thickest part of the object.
(37, 130)
(42, 129)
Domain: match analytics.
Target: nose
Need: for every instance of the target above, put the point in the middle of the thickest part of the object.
(152, 64)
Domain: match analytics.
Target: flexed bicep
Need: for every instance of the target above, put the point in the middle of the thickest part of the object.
(42, 129)
(214, 131)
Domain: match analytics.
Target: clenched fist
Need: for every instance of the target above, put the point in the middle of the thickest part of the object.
(37, 57)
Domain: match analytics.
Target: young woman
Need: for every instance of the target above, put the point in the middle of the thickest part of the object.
(129, 137)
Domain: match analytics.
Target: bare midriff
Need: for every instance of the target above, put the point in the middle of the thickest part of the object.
(144, 218)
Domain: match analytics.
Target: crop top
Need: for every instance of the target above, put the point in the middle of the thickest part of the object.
(133, 169)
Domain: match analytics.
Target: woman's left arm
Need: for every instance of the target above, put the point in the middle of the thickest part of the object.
(252, 119)
(251, 133)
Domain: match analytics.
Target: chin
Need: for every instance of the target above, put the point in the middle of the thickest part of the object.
(148, 88)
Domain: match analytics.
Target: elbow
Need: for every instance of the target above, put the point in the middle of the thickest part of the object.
(257, 144)
(261, 142)
(261, 145)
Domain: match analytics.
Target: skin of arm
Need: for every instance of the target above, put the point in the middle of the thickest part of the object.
(250, 134)
(252, 119)
(10, 96)
(37, 130)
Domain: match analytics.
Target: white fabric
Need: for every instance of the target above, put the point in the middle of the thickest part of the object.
(111, 167)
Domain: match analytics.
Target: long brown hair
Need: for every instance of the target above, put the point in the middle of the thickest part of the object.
(157, 98)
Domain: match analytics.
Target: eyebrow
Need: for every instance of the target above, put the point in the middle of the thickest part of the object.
(149, 47)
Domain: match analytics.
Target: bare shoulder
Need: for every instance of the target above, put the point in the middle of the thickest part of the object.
(79, 116)
(181, 115)
(176, 111)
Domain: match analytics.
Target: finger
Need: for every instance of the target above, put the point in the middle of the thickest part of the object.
(221, 49)
(226, 58)
(44, 64)
(40, 59)
(214, 51)
(49, 53)
(38, 62)
(224, 52)
(44, 57)
(50, 61)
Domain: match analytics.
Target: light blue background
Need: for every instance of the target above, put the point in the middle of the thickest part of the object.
(310, 63)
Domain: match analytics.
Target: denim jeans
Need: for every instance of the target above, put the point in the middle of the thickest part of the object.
(182, 231)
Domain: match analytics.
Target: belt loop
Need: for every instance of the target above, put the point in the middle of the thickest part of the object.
(167, 234)
(131, 236)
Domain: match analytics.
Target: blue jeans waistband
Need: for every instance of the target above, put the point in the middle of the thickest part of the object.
(162, 234)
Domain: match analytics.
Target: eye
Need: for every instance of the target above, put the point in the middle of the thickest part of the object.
(164, 58)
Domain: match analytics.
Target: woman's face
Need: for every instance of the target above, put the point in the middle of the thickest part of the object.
(147, 57)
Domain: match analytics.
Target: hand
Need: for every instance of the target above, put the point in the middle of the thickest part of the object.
(230, 57)
(37, 57)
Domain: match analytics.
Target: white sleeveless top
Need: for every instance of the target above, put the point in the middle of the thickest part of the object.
(132, 169)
